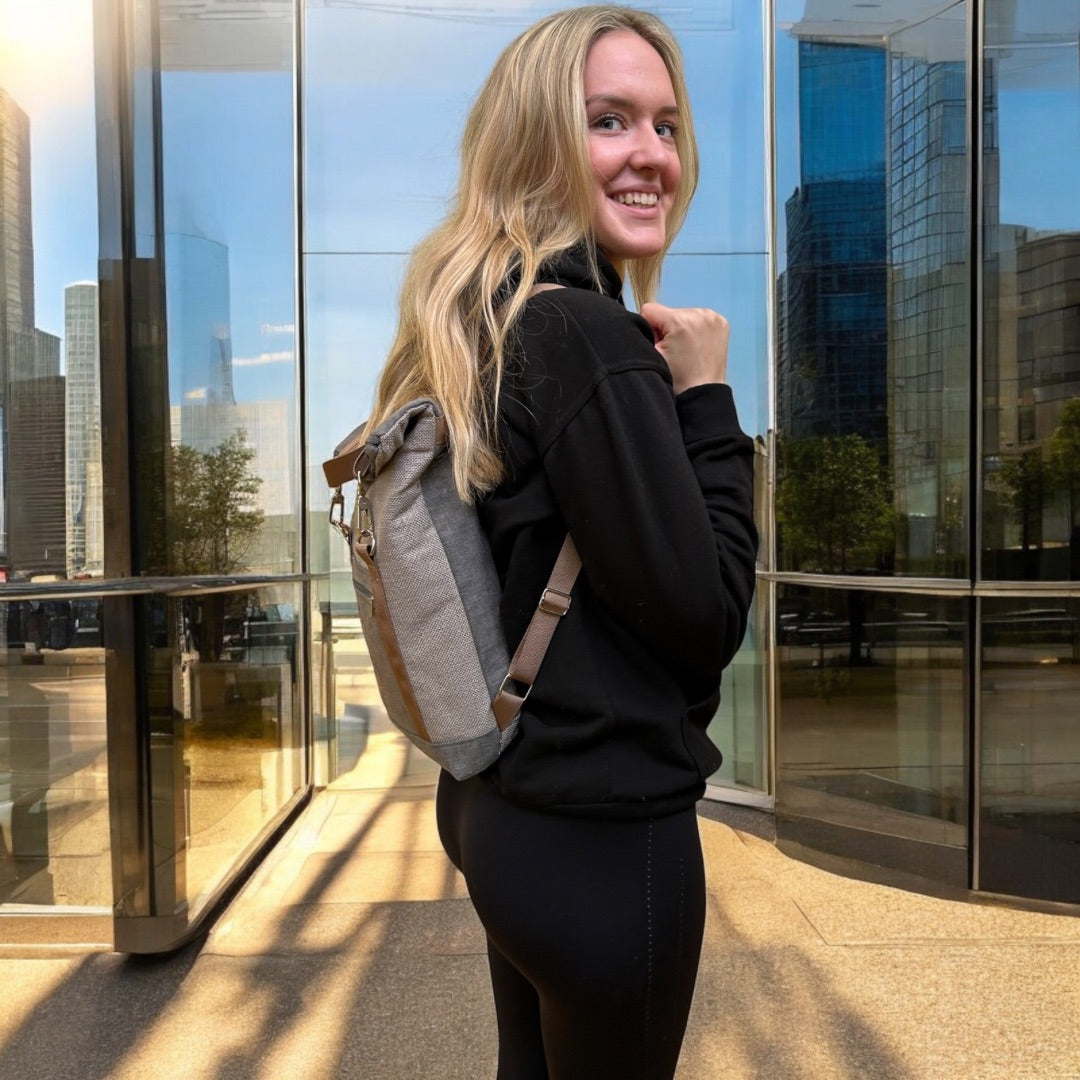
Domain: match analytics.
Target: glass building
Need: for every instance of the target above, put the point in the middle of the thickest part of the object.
(205, 210)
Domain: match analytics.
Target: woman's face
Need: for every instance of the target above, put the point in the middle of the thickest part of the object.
(632, 116)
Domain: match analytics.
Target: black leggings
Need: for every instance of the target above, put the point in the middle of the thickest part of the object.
(594, 932)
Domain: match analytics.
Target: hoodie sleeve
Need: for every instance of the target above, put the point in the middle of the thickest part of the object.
(657, 490)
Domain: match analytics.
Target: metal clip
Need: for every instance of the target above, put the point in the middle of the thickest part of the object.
(365, 525)
(337, 503)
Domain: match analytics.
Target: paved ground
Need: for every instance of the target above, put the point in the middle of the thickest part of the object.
(354, 953)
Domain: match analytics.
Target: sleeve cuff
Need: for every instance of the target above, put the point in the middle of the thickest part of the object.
(707, 411)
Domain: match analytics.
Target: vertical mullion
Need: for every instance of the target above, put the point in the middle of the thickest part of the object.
(976, 119)
(129, 797)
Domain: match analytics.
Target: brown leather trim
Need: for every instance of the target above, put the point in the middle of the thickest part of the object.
(390, 642)
(341, 470)
(505, 707)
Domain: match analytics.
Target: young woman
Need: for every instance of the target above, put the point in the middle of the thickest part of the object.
(567, 412)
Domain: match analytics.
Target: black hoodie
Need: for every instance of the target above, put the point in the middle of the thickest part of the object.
(656, 490)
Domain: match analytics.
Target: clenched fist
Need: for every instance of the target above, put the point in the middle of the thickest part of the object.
(693, 341)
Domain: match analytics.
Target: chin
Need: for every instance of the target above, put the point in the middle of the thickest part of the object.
(639, 249)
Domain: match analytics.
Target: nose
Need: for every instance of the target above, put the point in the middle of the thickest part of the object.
(649, 152)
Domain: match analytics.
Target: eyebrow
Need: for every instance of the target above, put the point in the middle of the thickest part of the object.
(625, 103)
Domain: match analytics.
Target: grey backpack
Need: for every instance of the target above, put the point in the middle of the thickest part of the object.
(428, 593)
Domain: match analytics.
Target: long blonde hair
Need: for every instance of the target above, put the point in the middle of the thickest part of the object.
(524, 196)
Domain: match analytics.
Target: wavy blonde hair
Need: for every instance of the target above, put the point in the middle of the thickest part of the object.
(524, 196)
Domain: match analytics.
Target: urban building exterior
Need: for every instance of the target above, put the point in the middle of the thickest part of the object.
(82, 378)
(886, 216)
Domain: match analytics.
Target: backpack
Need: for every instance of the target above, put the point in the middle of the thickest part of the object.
(428, 593)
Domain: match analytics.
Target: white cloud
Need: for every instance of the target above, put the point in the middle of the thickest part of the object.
(285, 357)
(277, 328)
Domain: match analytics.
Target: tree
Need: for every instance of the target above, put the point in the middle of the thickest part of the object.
(1024, 479)
(214, 519)
(1063, 459)
(833, 504)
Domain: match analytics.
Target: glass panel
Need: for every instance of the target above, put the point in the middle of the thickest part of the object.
(872, 298)
(1031, 275)
(50, 431)
(739, 728)
(226, 731)
(352, 313)
(54, 808)
(230, 270)
(734, 284)
(54, 813)
(1029, 823)
(871, 713)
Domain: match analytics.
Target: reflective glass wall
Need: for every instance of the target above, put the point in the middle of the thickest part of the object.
(1029, 759)
(370, 198)
(926, 377)
(872, 350)
(200, 253)
(873, 420)
(152, 696)
(54, 809)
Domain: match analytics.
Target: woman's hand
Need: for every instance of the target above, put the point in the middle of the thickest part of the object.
(693, 341)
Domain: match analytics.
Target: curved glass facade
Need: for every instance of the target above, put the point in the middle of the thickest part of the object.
(205, 211)
(924, 396)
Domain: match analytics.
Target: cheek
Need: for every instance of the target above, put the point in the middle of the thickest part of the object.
(674, 173)
(603, 165)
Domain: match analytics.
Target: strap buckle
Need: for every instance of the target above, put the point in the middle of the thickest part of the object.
(509, 687)
(554, 602)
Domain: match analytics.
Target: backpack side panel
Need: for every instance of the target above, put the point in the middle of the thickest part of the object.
(440, 659)
(469, 557)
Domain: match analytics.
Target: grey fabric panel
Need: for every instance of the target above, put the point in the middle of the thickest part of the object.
(474, 571)
(437, 646)
(467, 758)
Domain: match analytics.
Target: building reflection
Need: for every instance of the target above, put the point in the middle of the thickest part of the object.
(82, 369)
(872, 303)
(1033, 424)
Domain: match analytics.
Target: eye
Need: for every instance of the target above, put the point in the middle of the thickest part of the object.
(667, 129)
(608, 122)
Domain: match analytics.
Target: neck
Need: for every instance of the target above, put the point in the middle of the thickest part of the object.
(619, 264)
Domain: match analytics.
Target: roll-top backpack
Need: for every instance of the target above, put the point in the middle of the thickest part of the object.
(428, 593)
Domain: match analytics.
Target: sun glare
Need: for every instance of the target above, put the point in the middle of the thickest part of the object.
(46, 50)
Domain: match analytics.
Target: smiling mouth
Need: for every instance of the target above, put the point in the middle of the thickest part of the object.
(637, 198)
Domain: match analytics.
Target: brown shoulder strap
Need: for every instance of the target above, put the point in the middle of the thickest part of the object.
(554, 604)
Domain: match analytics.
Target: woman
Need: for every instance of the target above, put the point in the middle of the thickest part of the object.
(567, 412)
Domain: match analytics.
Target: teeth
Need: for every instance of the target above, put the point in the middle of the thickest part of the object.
(636, 198)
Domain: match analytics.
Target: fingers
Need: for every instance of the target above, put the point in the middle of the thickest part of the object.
(693, 341)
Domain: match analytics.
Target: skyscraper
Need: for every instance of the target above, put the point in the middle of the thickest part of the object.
(83, 427)
(833, 323)
(199, 320)
(16, 278)
(929, 358)
(36, 482)
(16, 244)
